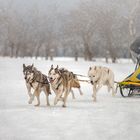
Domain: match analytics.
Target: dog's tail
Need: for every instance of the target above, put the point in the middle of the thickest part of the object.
(75, 83)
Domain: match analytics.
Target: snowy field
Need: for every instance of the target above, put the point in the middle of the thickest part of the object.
(110, 118)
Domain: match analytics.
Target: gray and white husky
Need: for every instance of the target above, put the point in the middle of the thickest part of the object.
(38, 82)
(62, 81)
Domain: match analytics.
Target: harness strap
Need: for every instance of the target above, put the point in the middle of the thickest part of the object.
(84, 81)
(59, 79)
(58, 86)
(33, 79)
(39, 81)
(43, 82)
(80, 75)
(59, 83)
(31, 85)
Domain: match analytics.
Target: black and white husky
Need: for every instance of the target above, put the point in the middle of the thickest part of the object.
(38, 82)
(62, 81)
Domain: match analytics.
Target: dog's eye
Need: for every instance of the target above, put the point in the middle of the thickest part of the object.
(93, 75)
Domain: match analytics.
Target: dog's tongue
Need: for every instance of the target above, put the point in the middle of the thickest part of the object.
(51, 80)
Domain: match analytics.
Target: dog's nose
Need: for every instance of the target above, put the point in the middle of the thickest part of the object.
(91, 82)
(25, 78)
(51, 78)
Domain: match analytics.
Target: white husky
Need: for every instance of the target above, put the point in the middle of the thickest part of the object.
(100, 76)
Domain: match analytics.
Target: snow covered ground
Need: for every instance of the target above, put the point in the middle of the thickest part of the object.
(110, 118)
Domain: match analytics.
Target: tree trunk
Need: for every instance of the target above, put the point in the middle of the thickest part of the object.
(37, 50)
(76, 56)
(87, 54)
(12, 50)
(47, 53)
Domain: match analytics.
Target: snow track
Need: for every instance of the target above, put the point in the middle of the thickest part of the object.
(111, 118)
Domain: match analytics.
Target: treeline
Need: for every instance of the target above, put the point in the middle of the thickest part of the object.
(93, 29)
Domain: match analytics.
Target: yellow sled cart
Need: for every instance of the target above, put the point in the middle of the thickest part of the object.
(131, 84)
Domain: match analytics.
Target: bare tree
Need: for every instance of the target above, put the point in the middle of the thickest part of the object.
(90, 30)
(132, 28)
(82, 25)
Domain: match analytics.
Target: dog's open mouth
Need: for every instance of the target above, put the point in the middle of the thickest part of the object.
(29, 80)
(52, 80)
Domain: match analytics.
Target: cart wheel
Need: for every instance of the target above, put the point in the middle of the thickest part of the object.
(121, 91)
(130, 93)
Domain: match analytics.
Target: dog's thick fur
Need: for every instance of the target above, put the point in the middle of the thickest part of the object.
(100, 76)
(62, 82)
(37, 81)
(74, 82)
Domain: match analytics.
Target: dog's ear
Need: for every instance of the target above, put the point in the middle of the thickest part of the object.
(32, 66)
(57, 71)
(24, 66)
(51, 66)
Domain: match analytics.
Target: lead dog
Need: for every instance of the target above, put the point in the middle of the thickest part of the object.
(62, 82)
(37, 81)
(100, 76)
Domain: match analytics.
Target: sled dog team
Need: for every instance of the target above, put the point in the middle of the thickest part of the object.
(62, 82)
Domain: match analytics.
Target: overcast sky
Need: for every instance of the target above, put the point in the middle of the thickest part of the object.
(41, 4)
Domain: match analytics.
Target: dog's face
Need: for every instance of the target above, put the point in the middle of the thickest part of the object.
(54, 74)
(93, 74)
(28, 72)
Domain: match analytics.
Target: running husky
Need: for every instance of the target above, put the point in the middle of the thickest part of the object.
(100, 76)
(62, 82)
(38, 81)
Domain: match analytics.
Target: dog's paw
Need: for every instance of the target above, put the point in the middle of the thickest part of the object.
(36, 105)
(29, 102)
(47, 104)
(55, 103)
(64, 106)
(113, 94)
